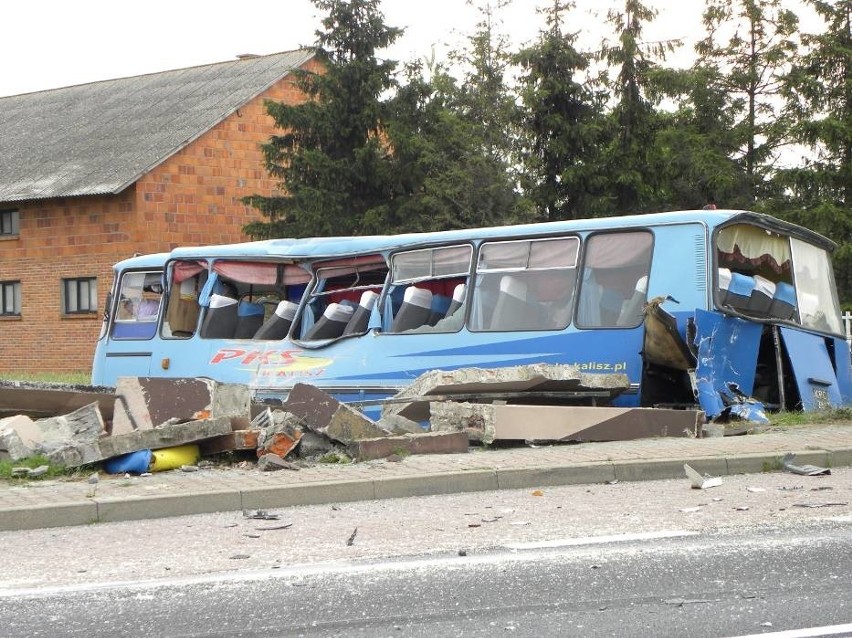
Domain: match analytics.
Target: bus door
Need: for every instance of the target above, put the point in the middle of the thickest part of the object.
(614, 285)
(133, 329)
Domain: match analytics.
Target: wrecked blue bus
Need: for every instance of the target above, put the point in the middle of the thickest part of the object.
(722, 309)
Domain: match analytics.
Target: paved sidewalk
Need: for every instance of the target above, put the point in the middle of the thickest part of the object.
(54, 503)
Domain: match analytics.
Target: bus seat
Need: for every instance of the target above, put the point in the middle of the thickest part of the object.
(361, 315)
(278, 325)
(783, 304)
(457, 300)
(220, 320)
(249, 319)
(438, 310)
(332, 323)
(738, 291)
(512, 312)
(415, 309)
(631, 309)
(761, 296)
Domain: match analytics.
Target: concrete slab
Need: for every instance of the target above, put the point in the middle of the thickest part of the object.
(324, 414)
(564, 423)
(538, 377)
(156, 438)
(424, 443)
(145, 402)
(40, 400)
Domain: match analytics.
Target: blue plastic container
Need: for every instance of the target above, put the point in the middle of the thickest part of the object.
(133, 463)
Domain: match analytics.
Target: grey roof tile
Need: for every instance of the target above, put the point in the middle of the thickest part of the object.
(99, 138)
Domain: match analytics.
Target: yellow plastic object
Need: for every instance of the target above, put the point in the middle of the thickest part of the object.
(171, 458)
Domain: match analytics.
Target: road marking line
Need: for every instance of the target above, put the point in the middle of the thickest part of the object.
(809, 632)
(595, 540)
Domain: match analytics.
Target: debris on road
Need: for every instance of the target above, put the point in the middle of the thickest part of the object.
(699, 482)
(812, 505)
(804, 470)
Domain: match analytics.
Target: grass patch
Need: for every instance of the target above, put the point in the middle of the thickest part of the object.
(31, 462)
(81, 377)
(334, 458)
(834, 415)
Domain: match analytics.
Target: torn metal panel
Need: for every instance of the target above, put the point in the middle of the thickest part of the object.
(663, 344)
(813, 370)
(727, 362)
(843, 367)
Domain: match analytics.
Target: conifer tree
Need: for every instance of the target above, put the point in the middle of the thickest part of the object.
(560, 123)
(331, 159)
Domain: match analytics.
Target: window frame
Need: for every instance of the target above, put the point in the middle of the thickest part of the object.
(534, 266)
(10, 223)
(16, 298)
(591, 307)
(91, 307)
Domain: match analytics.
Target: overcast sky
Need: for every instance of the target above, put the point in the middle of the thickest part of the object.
(54, 43)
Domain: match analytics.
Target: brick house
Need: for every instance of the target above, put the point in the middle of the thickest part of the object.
(96, 173)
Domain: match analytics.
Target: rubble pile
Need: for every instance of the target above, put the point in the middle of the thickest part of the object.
(159, 423)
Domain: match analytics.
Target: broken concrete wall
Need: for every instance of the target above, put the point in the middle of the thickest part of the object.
(540, 377)
(145, 402)
(21, 437)
(489, 423)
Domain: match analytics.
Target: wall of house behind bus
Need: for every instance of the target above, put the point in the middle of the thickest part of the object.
(192, 198)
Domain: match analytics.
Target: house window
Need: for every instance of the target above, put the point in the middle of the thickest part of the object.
(9, 223)
(10, 298)
(79, 295)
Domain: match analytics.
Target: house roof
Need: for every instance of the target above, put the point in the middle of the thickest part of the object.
(99, 138)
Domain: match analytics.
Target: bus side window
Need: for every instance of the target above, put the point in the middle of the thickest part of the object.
(525, 285)
(138, 307)
(614, 283)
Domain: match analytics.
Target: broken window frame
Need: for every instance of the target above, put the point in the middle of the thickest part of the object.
(519, 286)
(753, 250)
(334, 282)
(825, 315)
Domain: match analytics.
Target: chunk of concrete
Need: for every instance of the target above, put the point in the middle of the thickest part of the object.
(20, 437)
(29, 433)
(566, 380)
(84, 425)
(424, 443)
(164, 436)
(490, 423)
(272, 462)
(145, 402)
(397, 424)
(322, 413)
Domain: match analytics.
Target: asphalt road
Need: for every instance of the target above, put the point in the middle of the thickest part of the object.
(759, 554)
(697, 585)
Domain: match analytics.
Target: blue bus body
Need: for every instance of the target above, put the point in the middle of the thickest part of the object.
(740, 299)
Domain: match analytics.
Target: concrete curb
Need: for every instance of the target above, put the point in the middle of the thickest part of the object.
(95, 510)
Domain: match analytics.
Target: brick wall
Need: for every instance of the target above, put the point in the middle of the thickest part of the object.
(192, 198)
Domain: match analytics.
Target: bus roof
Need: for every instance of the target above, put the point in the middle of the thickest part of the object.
(327, 247)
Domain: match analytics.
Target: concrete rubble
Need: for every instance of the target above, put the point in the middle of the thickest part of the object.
(440, 412)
